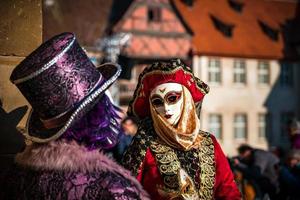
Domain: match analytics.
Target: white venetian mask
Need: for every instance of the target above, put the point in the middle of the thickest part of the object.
(167, 100)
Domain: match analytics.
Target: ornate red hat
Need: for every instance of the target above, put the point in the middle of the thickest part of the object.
(158, 73)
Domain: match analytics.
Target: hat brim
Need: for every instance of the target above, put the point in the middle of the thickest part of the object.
(36, 131)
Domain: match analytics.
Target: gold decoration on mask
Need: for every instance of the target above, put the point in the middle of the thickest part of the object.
(162, 90)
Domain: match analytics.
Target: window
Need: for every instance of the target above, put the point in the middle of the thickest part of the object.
(154, 14)
(237, 6)
(239, 70)
(240, 126)
(286, 75)
(215, 125)
(225, 28)
(262, 125)
(272, 33)
(214, 71)
(263, 72)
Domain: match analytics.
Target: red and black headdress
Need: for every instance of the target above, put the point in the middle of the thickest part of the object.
(158, 73)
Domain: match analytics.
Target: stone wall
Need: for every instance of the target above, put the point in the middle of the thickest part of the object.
(20, 34)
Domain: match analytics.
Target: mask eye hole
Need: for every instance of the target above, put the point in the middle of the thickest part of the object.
(173, 97)
(157, 101)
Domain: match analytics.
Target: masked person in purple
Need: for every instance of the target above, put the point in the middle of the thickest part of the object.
(71, 123)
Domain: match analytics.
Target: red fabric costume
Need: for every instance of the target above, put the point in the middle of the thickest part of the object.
(224, 187)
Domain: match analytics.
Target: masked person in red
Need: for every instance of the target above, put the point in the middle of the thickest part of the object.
(170, 155)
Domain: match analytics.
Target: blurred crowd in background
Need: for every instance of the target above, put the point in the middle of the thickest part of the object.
(269, 174)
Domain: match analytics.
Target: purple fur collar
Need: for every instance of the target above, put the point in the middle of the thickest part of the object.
(69, 156)
(65, 155)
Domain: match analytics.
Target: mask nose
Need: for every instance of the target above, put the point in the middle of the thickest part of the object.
(167, 108)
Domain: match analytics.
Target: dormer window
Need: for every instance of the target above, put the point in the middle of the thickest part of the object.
(236, 6)
(272, 33)
(188, 2)
(154, 14)
(225, 28)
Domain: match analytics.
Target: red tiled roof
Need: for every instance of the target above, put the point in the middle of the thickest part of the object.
(248, 38)
(87, 19)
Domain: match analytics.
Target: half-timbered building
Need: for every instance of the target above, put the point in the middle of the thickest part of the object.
(157, 33)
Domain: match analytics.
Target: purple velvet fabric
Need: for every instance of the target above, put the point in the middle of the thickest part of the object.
(64, 84)
(26, 183)
(99, 128)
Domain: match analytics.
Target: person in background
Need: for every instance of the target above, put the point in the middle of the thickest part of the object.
(261, 167)
(294, 133)
(129, 128)
(71, 123)
(279, 152)
(289, 176)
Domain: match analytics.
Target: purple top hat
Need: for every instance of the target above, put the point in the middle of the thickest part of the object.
(61, 84)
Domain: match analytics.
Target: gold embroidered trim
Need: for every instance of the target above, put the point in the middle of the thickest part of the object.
(169, 165)
(167, 156)
(186, 191)
(207, 163)
(136, 152)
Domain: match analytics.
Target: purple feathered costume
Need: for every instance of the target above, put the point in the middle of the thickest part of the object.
(65, 160)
